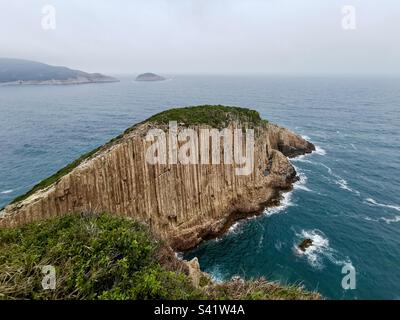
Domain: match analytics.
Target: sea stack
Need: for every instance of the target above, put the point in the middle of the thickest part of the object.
(182, 203)
(149, 77)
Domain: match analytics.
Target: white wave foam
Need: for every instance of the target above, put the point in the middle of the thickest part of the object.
(234, 228)
(286, 200)
(306, 137)
(301, 158)
(7, 191)
(302, 187)
(384, 219)
(320, 151)
(343, 184)
(329, 169)
(353, 146)
(260, 242)
(375, 203)
(319, 249)
(284, 203)
(216, 274)
(370, 219)
(391, 220)
(312, 253)
(301, 184)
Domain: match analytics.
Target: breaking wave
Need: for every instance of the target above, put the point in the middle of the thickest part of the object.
(390, 220)
(234, 228)
(301, 184)
(320, 151)
(384, 219)
(284, 203)
(301, 158)
(371, 201)
(7, 191)
(329, 169)
(342, 183)
(320, 249)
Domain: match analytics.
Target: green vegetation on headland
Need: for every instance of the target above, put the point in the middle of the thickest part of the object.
(216, 116)
(106, 257)
(55, 177)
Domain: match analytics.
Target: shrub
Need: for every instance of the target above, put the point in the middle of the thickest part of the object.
(95, 257)
(106, 257)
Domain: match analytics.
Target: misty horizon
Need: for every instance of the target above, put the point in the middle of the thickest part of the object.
(205, 37)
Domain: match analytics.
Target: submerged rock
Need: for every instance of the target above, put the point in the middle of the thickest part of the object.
(306, 243)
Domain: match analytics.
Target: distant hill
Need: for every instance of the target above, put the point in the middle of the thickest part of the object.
(149, 77)
(17, 71)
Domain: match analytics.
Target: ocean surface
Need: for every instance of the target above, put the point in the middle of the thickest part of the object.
(347, 199)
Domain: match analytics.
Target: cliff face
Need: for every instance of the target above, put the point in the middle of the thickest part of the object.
(184, 204)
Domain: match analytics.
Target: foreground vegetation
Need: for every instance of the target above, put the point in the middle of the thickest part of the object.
(105, 257)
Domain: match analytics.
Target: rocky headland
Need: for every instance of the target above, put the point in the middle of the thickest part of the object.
(182, 204)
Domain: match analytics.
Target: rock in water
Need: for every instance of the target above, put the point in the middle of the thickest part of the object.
(149, 77)
(306, 243)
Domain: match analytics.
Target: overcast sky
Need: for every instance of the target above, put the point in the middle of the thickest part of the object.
(205, 36)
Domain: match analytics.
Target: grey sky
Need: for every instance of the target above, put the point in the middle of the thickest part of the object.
(205, 36)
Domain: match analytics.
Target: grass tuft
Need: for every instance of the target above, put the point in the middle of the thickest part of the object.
(95, 257)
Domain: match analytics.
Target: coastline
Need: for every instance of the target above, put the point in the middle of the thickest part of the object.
(236, 217)
(57, 82)
(233, 198)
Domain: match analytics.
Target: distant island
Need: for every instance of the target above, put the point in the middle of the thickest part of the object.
(26, 72)
(148, 76)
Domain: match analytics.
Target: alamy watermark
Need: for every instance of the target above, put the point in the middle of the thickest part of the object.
(49, 281)
(48, 21)
(349, 18)
(187, 146)
(349, 280)
(348, 21)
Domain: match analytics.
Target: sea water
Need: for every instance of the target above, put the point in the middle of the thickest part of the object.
(347, 200)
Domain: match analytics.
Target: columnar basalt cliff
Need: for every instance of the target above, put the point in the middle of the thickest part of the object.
(183, 204)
